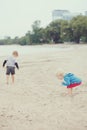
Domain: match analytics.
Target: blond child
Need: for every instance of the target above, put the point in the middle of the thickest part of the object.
(10, 66)
(69, 80)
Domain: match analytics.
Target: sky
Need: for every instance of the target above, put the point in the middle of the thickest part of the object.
(17, 16)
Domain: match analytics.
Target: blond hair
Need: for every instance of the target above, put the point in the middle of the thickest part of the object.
(15, 53)
(60, 72)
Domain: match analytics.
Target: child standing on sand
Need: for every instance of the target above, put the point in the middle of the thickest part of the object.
(70, 80)
(10, 66)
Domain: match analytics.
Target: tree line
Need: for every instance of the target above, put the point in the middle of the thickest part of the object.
(58, 31)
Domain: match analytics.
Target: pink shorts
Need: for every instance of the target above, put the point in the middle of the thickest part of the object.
(73, 85)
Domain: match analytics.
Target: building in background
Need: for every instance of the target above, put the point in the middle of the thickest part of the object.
(63, 14)
(85, 13)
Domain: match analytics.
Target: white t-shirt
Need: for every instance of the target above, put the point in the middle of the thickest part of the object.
(11, 61)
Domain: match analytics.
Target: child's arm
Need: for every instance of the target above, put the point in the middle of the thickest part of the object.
(67, 81)
(4, 62)
(17, 66)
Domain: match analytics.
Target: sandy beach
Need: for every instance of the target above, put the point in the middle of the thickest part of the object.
(37, 101)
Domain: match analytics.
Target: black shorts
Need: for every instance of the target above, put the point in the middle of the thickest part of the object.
(10, 70)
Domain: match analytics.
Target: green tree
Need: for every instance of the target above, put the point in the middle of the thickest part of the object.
(28, 38)
(54, 30)
(36, 26)
(15, 40)
(79, 27)
(22, 41)
(35, 35)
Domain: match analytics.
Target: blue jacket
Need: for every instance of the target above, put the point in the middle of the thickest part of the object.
(70, 79)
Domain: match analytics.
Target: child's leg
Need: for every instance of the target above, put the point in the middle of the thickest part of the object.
(12, 78)
(7, 77)
(12, 74)
(70, 91)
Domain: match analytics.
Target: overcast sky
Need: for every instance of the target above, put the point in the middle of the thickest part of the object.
(17, 16)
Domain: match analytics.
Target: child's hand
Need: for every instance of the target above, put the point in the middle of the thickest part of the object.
(64, 84)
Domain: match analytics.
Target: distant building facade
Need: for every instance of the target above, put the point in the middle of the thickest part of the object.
(85, 13)
(63, 14)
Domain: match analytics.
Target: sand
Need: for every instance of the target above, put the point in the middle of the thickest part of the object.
(37, 101)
